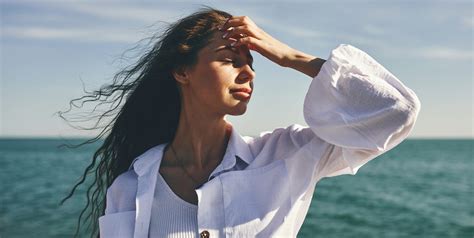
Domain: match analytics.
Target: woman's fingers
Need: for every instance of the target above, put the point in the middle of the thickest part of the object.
(245, 40)
(237, 21)
(237, 32)
(242, 30)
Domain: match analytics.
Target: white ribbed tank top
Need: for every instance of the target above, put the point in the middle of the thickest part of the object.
(171, 216)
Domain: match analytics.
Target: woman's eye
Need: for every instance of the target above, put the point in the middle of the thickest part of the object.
(235, 62)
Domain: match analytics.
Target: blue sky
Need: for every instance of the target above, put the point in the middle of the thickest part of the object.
(48, 47)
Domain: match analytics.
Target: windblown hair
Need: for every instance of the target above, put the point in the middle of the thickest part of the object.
(144, 104)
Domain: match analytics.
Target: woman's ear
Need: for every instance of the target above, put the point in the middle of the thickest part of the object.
(181, 75)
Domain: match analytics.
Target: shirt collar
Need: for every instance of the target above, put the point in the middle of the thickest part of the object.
(145, 161)
(236, 147)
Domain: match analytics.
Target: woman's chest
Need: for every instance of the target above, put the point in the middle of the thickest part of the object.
(177, 184)
(239, 203)
(245, 203)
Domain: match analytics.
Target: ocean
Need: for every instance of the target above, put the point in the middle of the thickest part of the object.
(421, 188)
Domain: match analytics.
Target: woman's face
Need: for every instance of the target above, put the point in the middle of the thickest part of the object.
(221, 82)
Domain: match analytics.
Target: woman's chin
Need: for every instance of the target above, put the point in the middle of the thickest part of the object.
(238, 109)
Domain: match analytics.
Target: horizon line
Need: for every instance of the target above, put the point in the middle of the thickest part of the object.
(88, 138)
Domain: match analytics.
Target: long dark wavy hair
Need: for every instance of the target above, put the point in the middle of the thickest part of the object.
(143, 103)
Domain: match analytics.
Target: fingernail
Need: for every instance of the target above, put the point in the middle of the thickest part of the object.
(225, 35)
(222, 27)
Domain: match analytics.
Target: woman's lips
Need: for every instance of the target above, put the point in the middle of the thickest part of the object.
(241, 93)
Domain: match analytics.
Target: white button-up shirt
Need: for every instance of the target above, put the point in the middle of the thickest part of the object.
(355, 109)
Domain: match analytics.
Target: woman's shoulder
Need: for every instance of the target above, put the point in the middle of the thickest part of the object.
(295, 134)
(121, 194)
(282, 140)
(124, 183)
(127, 179)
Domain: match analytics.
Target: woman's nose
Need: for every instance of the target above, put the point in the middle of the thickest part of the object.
(247, 73)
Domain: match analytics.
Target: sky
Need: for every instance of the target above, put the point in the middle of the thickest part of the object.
(49, 50)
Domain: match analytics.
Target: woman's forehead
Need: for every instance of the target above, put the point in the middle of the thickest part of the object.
(217, 44)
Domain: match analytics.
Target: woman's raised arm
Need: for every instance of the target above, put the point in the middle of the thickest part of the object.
(353, 103)
(241, 30)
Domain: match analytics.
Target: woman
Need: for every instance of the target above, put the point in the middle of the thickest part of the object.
(179, 169)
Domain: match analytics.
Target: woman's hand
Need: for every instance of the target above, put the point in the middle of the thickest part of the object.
(243, 31)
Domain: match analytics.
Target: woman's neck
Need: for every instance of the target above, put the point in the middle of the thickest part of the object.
(201, 139)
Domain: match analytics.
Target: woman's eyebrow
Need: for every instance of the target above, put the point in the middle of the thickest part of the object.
(227, 47)
(234, 50)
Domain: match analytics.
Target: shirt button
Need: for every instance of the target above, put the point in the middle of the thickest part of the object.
(205, 234)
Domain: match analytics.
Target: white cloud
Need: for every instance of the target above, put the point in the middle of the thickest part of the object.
(444, 53)
(120, 13)
(292, 30)
(303, 33)
(468, 21)
(72, 34)
(373, 30)
(117, 22)
(146, 14)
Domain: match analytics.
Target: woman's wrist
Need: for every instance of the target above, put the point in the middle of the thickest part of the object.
(304, 63)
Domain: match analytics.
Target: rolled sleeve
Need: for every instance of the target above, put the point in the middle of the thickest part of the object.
(358, 106)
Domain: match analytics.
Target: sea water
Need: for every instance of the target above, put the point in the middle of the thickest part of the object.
(421, 188)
